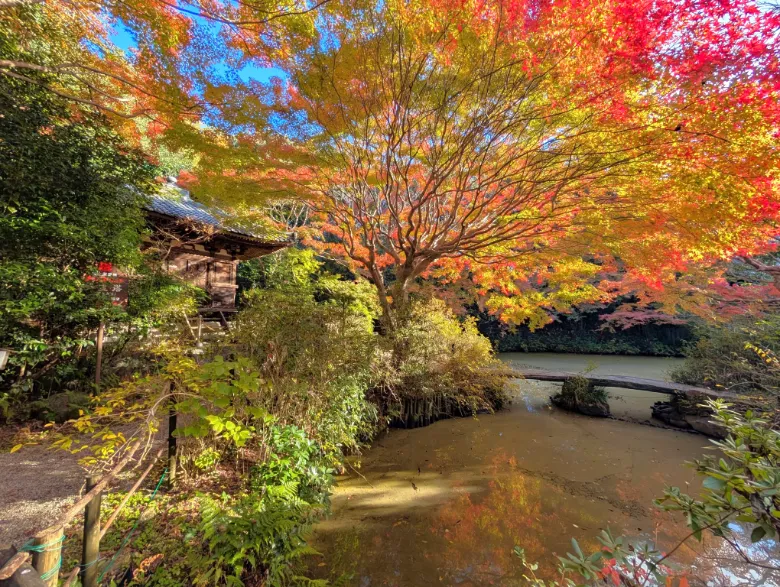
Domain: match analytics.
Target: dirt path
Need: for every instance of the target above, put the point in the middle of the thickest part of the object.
(37, 483)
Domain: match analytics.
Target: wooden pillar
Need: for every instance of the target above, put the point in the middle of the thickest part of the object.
(171, 442)
(99, 345)
(91, 542)
(47, 560)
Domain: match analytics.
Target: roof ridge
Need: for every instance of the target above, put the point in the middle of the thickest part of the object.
(185, 208)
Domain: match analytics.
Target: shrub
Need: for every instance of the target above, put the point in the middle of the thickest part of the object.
(578, 394)
(722, 357)
(71, 197)
(293, 459)
(312, 337)
(241, 526)
(262, 535)
(263, 421)
(436, 365)
(157, 298)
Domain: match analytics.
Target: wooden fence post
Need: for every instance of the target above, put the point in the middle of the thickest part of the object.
(91, 543)
(99, 359)
(48, 559)
(171, 442)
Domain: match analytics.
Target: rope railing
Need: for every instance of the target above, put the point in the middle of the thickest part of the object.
(70, 579)
(130, 493)
(45, 548)
(37, 547)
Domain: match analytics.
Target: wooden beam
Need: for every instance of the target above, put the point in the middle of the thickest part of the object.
(17, 571)
(47, 560)
(90, 543)
(11, 565)
(77, 507)
(641, 383)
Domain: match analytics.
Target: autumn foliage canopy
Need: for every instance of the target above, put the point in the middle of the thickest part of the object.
(536, 154)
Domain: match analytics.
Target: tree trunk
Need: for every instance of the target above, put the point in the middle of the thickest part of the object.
(395, 309)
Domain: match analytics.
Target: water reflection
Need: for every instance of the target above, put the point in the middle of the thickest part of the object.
(480, 529)
(467, 540)
(720, 565)
(445, 505)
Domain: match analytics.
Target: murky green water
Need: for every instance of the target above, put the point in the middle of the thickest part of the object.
(445, 504)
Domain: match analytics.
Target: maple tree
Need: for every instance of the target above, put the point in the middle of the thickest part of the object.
(181, 62)
(543, 153)
(540, 154)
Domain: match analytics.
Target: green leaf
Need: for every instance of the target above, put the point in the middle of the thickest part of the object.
(714, 484)
(577, 548)
(757, 534)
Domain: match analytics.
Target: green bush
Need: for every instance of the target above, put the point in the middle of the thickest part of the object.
(292, 458)
(261, 536)
(722, 357)
(157, 298)
(71, 197)
(260, 482)
(312, 337)
(264, 420)
(436, 365)
(578, 394)
(583, 390)
(314, 334)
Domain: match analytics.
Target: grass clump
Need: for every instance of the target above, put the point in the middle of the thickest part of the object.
(579, 394)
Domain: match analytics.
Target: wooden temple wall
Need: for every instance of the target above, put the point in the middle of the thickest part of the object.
(215, 273)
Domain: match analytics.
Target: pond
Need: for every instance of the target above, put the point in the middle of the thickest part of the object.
(446, 504)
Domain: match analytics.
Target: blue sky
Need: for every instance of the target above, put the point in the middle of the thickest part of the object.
(125, 40)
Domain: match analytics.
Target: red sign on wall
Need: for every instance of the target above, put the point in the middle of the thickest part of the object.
(116, 283)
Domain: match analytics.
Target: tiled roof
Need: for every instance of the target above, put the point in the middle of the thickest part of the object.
(176, 202)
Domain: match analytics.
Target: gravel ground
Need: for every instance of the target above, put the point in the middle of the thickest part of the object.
(38, 483)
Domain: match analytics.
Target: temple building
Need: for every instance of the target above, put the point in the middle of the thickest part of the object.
(199, 244)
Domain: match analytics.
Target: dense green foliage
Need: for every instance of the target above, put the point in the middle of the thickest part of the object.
(584, 331)
(724, 357)
(312, 336)
(261, 532)
(267, 418)
(255, 482)
(72, 197)
(65, 205)
(741, 483)
(435, 365)
(293, 458)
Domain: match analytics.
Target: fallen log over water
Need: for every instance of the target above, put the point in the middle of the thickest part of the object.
(641, 383)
